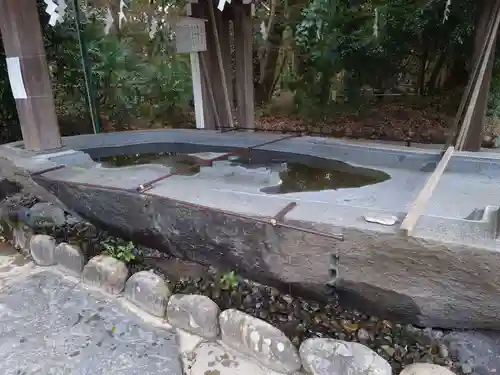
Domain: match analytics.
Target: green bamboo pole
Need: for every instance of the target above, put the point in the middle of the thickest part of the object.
(87, 73)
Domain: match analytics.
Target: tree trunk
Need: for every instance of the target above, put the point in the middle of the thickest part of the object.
(423, 68)
(432, 83)
(270, 59)
(457, 74)
(473, 138)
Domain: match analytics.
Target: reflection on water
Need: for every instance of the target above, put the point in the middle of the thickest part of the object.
(298, 177)
(179, 163)
(295, 177)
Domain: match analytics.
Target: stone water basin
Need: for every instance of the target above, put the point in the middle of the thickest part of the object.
(445, 275)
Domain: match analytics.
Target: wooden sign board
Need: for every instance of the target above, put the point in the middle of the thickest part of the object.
(190, 35)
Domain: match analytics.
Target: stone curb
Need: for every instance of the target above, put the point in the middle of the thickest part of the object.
(199, 315)
(43, 248)
(69, 258)
(194, 313)
(107, 273)
(148, 291)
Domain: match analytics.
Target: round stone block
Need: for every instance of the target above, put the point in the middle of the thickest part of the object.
(107, 273)
(259, 340)
(70, 258)
(148, 291)
(194, 313)
(42, 249)
(21, 239)
(425, 369)
(336, 357)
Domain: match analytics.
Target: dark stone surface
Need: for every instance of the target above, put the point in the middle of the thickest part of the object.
(8, 188)
(415, 280)
(257, 251)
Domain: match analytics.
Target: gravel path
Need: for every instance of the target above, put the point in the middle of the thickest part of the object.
(52, 326)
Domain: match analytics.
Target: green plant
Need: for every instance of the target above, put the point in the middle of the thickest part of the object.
(125, 252)
(229, 281)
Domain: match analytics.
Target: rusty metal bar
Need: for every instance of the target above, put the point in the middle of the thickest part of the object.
(272, 221)
(280, 216)
(38, 173)
(149, 184)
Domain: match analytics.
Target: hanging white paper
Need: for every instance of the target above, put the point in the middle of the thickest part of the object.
(121, 14)
(61, 10)
(16, 78)
(109, 22)
(222, 4)
(51, 10)
(153, 28)
(263, 30)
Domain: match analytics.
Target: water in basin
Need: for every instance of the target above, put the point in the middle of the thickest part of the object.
(284, 176)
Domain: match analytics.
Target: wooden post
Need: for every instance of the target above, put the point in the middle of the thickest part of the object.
(214, 98)
(29, 74)
(244, 64)
(199, 109)
(227, 59)
(486, 11)
(419, 204)
(220, 62)
(209, 110)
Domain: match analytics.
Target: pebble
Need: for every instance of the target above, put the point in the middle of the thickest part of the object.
(328, 356)
(363, 335)
(425, 369)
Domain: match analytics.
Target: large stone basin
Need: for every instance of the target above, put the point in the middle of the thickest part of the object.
(445, 275)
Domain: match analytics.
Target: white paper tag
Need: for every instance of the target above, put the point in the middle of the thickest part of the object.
(16, 78)
(52, 12)
(221, 5)
(109, 22)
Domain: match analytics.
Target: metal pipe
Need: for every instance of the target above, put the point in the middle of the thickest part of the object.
(37, 173)
(87, 74)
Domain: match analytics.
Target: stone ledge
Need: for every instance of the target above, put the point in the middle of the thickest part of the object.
(329, 356)
(21, 239)
(194, 313)
(148, 291)
(42, 248)
(70, 258)
(425, 369)
(106, 273)
(259, 340)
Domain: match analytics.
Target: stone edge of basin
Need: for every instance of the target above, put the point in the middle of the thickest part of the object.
(198, 315)
(151, 141)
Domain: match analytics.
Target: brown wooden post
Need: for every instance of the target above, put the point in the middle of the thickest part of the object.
(216, 114)
(474, 136)
(244, 64)
(29, 74)
(225, 44)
